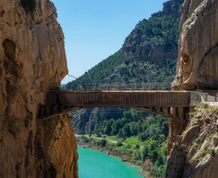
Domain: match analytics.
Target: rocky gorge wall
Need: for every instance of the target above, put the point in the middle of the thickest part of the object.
(32, 61)
(197, 61)
(192, 147)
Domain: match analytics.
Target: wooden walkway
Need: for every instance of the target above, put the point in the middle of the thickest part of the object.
(167, 103)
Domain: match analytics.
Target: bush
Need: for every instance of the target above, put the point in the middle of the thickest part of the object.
(119, 143)
(128, 146)
(212, 152)
(137, 146)
(137, 155)
(101, 142)
(85, 139)
(153, 156)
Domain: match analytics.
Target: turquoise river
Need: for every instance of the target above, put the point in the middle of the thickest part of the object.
(96, 164)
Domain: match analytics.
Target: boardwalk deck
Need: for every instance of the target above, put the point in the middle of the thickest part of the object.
(168, 103)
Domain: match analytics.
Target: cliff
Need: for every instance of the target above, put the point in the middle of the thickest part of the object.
(192, 148)
(197, 59)
(32, 61)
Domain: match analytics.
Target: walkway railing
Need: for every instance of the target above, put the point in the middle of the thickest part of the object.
(120, 86)
(212, 98)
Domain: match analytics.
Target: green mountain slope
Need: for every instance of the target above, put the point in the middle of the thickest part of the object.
(147, 56)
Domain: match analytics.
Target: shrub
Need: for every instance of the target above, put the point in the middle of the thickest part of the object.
(85, 139)
(128, 146)
(137, 146)
(212, 152)
(101, 142)
(119, 143)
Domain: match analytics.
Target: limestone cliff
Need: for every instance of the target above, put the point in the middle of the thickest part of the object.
(197, 61)
(32, 61)
(194, 149)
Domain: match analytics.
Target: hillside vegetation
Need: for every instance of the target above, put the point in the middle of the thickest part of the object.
(148, 56)
(141, 142)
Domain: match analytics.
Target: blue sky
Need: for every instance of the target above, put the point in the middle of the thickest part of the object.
(96, 29)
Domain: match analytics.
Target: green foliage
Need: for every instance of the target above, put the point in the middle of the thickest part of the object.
(119, 143)
(159, 160)
(101, 142)
(97, 130)
(144, 153)
(28, 5)
(212, 152)
(108, 128)
(152, 145)
(197, 145)
(154, 156)
(126, 130)
(160, 30)
(137, 146)
(137, 155)
(201, 105)
(85, 139)
(120, 133)
(133, 140)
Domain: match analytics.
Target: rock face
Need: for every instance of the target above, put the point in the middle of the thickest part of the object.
(198, 49)
(194, 152)
(32, 61)
(84, 120)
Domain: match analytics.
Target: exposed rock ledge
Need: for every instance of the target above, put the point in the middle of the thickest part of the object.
(32, 61)
(193, 153)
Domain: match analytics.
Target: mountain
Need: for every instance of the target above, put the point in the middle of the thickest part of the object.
(147, 60)
(147, 56)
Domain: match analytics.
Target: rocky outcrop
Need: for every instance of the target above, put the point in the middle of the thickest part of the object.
(194, 152)
(197, 61)
(32, 61)
(171, 7)
(145, 43)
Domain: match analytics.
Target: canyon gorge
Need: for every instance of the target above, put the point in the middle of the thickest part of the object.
(33, 62)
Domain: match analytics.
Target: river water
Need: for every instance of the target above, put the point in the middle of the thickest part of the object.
(96, 164)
